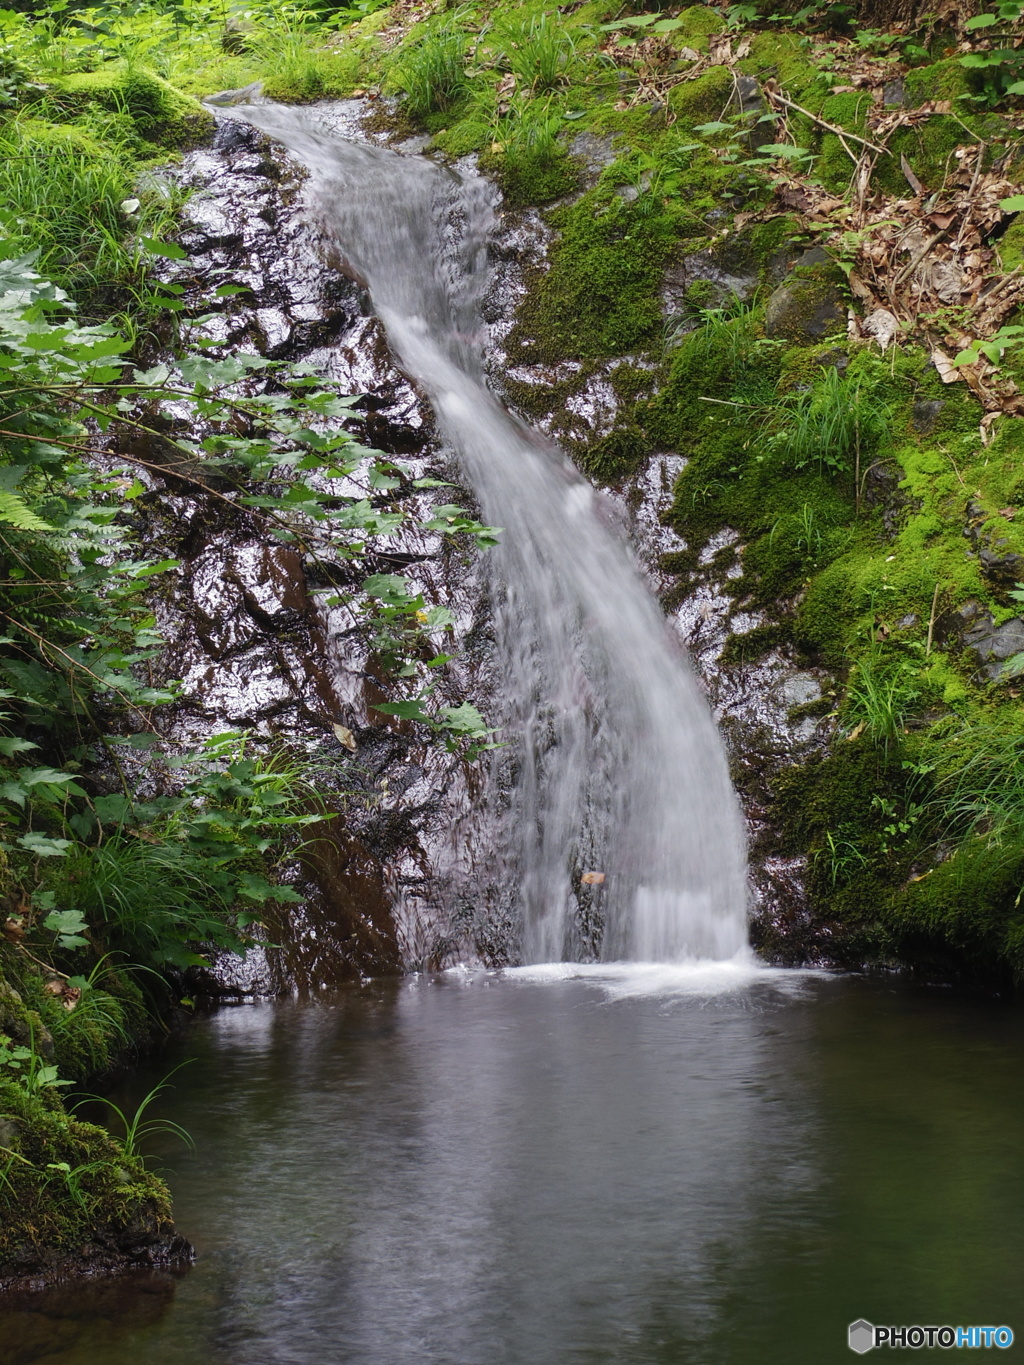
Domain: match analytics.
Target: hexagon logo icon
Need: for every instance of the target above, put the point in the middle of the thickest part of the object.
(862, 1336)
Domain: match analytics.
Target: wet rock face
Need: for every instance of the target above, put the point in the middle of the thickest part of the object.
(772, 712)
(147, 1243)
(250, 636)
(993, 644)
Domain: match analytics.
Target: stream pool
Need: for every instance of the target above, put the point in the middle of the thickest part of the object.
(559, 1165)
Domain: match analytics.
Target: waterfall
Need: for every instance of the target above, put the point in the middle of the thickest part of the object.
(618, 768)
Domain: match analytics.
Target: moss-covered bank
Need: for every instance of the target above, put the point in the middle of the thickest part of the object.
(72, 1197)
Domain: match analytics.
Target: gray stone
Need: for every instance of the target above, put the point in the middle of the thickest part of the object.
(994, 644)
(812, 257)
(804, 310)
(926, 414)
(595, 152)
(799, 688)
(1004, 570)
(894, 94)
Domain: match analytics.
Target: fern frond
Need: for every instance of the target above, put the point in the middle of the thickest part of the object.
(14, 512)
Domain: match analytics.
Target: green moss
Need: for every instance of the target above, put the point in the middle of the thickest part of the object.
(963, 916)
(928, 149)
(800, 366)
(66, 1185)
(783, 57)
(59, 137)
(704, 99)
(750, 645)
(467, 135)
(532, 180)
(161, 113)
(698, 23)
(1011, 245)
(48, 1214)
(617, 455)
(942, 80)
(599, 296)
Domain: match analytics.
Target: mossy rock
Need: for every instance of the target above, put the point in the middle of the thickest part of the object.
(63, 137)
(964, 916)
(599, 296)
(532, 181)
(805, 311)
(468, 135)
(703, 99)
(782, 56)
(617, 455)
(944, 80)
(73, 1200)
(699, 22)
(1011, 245)
(161, 113)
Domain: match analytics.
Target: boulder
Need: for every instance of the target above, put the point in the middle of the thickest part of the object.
(805, 310)
(994, 644)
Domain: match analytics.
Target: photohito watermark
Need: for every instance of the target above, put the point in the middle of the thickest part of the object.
(864, 1336)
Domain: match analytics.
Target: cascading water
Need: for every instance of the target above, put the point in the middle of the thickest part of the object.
(618, 767)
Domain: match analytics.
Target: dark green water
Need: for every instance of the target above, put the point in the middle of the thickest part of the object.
(477, 1168)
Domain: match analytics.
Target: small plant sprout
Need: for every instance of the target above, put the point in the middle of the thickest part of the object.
(138, 1129)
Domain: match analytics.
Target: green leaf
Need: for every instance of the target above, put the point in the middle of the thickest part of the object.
(406, 710)
(43, 847)
(169, 250)
(981, 21)
(32, 777)
(1015, 203)
(14, 512)
(785, 149)
(14, 791)
(11, 745)
(258, 889)
(69, 926)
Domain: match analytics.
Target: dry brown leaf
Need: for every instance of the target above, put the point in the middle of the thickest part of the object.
(882, 326)
(948, 372)
(344, 736)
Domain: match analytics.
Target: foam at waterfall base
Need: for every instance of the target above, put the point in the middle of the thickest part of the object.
(694, 977)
